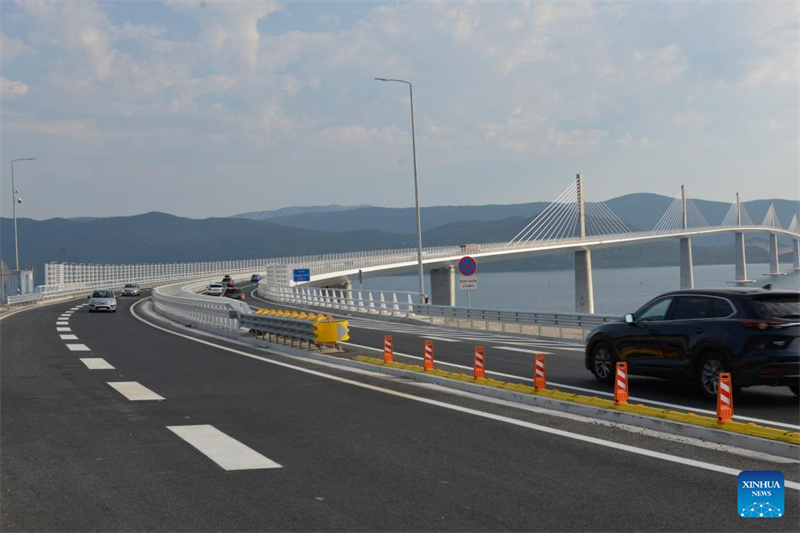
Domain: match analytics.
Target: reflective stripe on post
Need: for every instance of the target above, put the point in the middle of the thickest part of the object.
(428, 362)
(724, 398)
(539, 372)
(621, 384)
(388, 349)
(479, 371)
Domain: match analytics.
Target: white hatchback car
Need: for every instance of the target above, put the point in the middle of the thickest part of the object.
(103, 300)
(215, 289)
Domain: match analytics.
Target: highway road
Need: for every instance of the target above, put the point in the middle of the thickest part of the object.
(112, 424)
(509, 357)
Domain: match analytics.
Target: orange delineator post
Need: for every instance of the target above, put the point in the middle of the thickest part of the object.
(724, 398)
(621, 383)
(539, 373)
(428, 361)
(479, 371)
(388, 349)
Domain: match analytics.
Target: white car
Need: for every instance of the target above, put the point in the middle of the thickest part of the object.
(103, 300)
(215, 289)
(130, 289)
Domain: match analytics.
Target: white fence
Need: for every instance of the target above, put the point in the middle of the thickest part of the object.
(401, 304)
(183, 303)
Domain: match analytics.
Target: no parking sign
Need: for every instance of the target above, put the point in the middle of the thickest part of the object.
(467, 266)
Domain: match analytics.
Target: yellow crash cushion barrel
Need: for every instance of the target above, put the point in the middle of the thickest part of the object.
(329, 331)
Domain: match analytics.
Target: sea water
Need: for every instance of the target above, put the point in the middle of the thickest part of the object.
(616, 290)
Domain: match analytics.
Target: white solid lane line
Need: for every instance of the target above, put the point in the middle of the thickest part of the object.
(431, 337)
(96, 363)
(521, 350)
(576, 436)
(78, 348)
(68, 337)
(226, 451)
(63, 330)
(134, 391)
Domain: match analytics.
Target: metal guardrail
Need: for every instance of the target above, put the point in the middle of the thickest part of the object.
(181, 302)
(400, 304)
(570, 320)
(315, 330)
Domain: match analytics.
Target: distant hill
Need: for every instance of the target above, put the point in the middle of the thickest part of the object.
(159, 237)
(297, 210)
(640, 211)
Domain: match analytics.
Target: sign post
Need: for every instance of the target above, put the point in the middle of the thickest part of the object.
(467, 267)
(301, 274)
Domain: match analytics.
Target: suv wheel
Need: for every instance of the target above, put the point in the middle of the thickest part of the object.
(707, 374)
(603, 362)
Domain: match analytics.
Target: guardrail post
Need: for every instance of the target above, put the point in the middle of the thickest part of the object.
(395, 306)
(383, 303)
(371, 303)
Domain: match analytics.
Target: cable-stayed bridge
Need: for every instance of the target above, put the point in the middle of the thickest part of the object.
(576, 222)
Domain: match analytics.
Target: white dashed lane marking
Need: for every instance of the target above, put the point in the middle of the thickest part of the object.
(68, 337)
(62, 323)
(134, 391)
(438, 338)
(63, 330)
(512, 349)
(78, 348)
(96, 363)
(226, 451)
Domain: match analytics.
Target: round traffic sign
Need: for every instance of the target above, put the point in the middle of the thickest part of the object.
(467, 266)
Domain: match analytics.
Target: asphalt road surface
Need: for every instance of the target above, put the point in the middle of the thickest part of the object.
(509, 357)
(182, 435)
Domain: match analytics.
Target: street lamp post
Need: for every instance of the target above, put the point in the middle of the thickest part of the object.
(416, 189)
(14, 199)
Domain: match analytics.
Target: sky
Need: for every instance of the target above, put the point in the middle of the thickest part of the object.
(205, 108)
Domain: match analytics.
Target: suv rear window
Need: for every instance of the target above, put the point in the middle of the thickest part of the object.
(778, 306)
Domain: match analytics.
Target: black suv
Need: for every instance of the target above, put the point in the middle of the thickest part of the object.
(695, 334)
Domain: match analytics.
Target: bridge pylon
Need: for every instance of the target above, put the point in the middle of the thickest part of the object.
(584, 289)
(771, 221)
(737, 215)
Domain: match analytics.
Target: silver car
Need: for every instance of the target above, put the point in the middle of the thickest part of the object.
(130, 289)
(103, 300)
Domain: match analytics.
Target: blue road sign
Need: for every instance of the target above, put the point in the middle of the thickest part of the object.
(467, 266)
(302, 274)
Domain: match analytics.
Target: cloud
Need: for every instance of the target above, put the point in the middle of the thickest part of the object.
(12, 47)
(12, 88)
(230, 29)
(690, 120)
(661, 66)
(627, 142)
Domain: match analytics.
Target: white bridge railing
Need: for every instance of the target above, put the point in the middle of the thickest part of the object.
(401, 304)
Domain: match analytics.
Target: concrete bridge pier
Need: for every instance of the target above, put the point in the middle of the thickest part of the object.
(687, 267)
(443, 286)
(740, 261)
(774, 263)
(584, 291)
(796, 254)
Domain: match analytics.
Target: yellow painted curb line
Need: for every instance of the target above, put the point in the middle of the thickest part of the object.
(751, 429)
